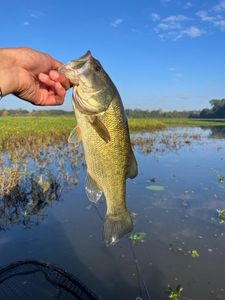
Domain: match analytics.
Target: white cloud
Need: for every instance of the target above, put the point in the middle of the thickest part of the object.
(117, 23)
(176, 18)
(155, 17)
(215, 20)
(26, 23)
(219, 7)
(220, 24)
(36, 14)
(187, 5)
(171, 23)
(193, 31)
(174, 27)
(165, 1)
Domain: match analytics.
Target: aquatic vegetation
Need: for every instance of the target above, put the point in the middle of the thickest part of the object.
(221, 179)
(194, 253)
(33, 132)
(221, 215)
(174, 294)
(153, 179)
(145, 124)
(137, 237)
(27, 186)
(9, 178)
(155, 188)
(29, 131)
(191, 122)
(163, 141)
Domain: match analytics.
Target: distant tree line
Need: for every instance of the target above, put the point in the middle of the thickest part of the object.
(217, 111)
(139, 113)
(23, 112)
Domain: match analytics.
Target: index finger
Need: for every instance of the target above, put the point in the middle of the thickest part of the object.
(57, 76)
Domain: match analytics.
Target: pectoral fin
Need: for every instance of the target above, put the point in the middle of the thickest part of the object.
(132, 170)
(75, 136)
(99, 127)
(92, 190)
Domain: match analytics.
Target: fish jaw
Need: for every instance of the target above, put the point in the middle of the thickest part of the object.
(116, 226)
(69, 73)
(75, 68)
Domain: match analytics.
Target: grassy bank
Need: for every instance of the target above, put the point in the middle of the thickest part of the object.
(19, 131)
(192, 122)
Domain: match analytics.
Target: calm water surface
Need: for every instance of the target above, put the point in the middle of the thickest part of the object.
(189, 164)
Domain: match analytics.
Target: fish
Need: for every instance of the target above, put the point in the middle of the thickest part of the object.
(102, 129)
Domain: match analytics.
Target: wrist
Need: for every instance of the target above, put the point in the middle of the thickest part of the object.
(8, 81)
(7, 71)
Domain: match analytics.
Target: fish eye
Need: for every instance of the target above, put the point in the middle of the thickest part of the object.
(97, 68)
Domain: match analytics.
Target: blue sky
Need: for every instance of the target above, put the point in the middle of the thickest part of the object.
(167, 54)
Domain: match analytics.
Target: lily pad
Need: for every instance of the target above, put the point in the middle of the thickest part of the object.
(157, 188)
(137, 237)
(194, 253)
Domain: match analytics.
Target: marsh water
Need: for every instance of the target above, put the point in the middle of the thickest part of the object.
(174, 202)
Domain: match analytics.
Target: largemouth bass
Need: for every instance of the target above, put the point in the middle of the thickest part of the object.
(103, 130)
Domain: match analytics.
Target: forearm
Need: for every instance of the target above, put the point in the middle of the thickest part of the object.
(8, 78)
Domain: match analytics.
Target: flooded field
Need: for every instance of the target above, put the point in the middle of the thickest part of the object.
(177, 248)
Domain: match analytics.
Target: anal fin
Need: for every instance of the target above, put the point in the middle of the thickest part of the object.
(92, 190)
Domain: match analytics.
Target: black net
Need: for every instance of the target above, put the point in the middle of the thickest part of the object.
(36, 280)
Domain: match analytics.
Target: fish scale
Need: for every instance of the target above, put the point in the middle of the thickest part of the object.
(107, 163)
(103, 131)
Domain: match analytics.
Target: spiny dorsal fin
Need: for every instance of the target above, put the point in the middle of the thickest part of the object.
(92, 190)
(75, 136)
(99, 127)
(132, 170)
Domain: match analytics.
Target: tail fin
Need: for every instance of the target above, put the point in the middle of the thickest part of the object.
(116, 226)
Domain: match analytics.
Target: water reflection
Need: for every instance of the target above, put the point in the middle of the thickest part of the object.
(28, 185)
(177, 220)
(30, 182)
(33, 279)
(217, 132)
(172, 139)
(22, 203)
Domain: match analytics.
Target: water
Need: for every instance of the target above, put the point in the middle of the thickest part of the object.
(189, 163)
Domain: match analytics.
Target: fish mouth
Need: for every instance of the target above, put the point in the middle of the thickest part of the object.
(74, 68)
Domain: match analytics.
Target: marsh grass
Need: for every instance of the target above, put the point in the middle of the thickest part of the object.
(31, 132)
(145, 124)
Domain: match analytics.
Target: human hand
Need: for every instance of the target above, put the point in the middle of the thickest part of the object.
(32, 76)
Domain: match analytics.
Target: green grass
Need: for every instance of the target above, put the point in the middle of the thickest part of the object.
(145, 124)
(21, 131)
(155, 124)
(191, 122)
